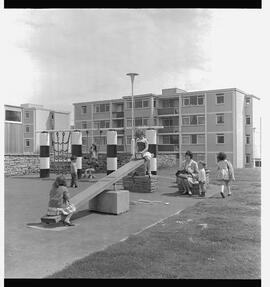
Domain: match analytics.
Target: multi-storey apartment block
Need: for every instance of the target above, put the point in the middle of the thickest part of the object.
(205, 122)
(22, 122)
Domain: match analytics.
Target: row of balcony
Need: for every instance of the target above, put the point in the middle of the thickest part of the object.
(160, 112)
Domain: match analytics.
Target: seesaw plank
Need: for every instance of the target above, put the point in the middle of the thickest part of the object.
(105, 183)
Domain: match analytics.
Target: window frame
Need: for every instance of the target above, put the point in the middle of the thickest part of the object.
(13, 110)
(143, 103)
(220, 114)
(248, 156)
(187, 117)
(248, 141)
(248, 117)
(218, 96)
(219, 135)
(27, 127)
(25, 143)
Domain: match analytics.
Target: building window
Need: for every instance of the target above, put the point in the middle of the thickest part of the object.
(84, 125)
(138, 104)
(27, 129)
(27, 115)
(201, 120)
(247, 158)
(84, 109)
(13, 116)
(201, 139)
(96, 125)
(170, 140)
(155, 103)
(248, 120)
(146, 104)
(186, 101)
(200, 100)
(220, 99)
(96, 108)
(100, 140)
(220, 118)
(185, 120)
(194, 139)
(155, 121)
(129, 139)
(145, 122)
(193, 100)
(104, 124)
(247, 139)
(129, 122)
(185, 139)
(129, 104)
(220, 139)
(84, 141)
(27, 143)
(193, 120)
(200, 156)
(247, 101)
(120, 140)
(138, 122)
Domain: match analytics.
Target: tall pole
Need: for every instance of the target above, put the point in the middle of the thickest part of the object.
(132, 76)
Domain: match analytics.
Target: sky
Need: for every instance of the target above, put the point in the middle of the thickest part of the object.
(59, 57)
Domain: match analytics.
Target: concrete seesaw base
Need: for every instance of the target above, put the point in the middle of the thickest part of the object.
(111, 202)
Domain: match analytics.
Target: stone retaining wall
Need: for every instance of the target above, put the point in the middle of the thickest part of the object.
(21, 164)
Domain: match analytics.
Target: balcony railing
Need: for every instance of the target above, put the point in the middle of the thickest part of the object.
(169, 129)
(168, 147)
(117, 115)
(168, 111)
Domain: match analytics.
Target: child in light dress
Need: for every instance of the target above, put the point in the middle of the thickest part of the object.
(225, 173)
(59, 203)
(202, 178)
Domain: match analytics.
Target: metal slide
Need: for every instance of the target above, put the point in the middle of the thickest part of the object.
(105, 182)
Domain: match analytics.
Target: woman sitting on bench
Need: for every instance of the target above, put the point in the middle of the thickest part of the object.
(59, 201)
(188, 173)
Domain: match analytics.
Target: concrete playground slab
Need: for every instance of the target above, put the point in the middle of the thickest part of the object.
(33, 250)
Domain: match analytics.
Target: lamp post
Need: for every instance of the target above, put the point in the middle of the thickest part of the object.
(132, 76)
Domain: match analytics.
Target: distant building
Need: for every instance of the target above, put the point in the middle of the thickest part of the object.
(22, 122)
(205, 122)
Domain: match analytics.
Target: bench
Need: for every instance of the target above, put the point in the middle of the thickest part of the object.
(195, 189)
(51, 219)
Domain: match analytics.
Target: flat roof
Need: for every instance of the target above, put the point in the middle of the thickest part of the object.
(182, 93)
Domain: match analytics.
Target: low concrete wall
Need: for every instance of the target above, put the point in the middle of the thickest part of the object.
(20, 164)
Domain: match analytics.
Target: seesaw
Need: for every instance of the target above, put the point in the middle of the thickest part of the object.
(97, 188)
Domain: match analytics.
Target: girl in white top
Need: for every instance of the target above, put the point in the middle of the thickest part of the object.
(225, 173)
(142, 149)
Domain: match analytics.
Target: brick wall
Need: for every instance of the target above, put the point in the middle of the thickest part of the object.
(21, 164)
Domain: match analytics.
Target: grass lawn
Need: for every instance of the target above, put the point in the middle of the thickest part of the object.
(215, 239)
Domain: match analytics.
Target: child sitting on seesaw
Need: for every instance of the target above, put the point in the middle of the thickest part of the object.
(142, 150)
(92, 162)
(59, 203)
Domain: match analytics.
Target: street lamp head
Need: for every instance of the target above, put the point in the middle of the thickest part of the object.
(132, 75)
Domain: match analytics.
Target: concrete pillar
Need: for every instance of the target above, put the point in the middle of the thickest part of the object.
(111, 151)
(44, 155)
(151, 135)
(76, 150)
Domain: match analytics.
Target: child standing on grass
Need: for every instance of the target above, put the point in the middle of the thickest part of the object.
(59, 201)
(73, 172)
(225, 173)
(202, 178)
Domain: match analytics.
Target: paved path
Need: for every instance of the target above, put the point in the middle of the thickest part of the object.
(34, 253)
